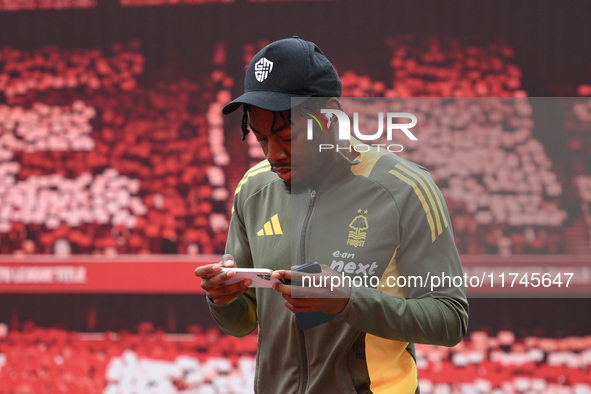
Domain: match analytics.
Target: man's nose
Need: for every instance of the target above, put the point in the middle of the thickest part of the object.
(276, 151)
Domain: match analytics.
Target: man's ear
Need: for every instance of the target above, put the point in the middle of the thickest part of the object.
(332, 103)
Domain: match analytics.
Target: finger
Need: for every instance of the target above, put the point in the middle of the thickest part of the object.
(311, 292)
(282, 288)
(298, 302)
(300, 309)
(218, 279)
(290, 307)
(299, 292)
(281, 274)
(227, 261)
(214, 282)
(226, 298)
(207, 270)
(234, 289)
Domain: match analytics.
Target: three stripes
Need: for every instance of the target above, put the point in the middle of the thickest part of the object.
(415, 179)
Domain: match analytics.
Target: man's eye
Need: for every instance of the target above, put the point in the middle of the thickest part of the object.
(286, 136)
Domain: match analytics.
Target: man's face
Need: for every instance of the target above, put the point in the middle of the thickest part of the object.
(279, 136)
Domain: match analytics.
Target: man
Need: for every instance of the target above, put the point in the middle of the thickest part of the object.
(369, 214)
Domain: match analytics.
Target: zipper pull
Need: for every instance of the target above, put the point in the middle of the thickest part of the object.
(312, 195)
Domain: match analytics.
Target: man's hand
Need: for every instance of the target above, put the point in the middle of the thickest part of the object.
(324, 299)
(212, 277)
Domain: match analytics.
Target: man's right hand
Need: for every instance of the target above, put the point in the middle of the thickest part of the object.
(212, 277)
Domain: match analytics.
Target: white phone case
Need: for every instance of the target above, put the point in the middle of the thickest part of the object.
(261, 277)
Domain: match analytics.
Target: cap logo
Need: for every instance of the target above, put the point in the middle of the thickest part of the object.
(262, 68)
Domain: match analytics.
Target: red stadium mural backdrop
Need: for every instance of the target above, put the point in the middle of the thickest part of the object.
(117, 172)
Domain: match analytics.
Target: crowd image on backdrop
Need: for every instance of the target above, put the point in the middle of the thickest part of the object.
(122, 149)
(97, 159)
(72, 185)
(208, 361)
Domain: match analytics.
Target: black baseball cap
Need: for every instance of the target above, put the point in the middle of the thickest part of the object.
(286, 69)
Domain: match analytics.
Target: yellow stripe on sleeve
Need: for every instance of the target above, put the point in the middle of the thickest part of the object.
(414, 175)
(430, 183)
(254, 171)
(421, 198)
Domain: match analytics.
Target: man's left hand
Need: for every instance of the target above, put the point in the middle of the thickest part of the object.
(331, 297)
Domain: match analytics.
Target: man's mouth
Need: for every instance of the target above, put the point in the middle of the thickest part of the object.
(283, 172)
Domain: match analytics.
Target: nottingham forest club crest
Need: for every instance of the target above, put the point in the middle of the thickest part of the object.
(358, 226)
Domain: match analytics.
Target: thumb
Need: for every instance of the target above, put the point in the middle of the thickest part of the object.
(228, 261)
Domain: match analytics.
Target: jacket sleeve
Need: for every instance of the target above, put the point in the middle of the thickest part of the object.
(434, 321)
(432, 309)
(238, 318)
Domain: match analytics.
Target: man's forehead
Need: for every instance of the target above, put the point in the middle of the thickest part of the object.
(254, 111)
(265, 120)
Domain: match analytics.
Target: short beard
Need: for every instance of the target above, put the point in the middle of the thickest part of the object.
(297, 189)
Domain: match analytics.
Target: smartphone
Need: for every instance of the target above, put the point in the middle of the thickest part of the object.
(261, 277)
(307, 320)
(310, 268)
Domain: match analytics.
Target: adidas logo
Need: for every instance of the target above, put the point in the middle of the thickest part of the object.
(272, 227)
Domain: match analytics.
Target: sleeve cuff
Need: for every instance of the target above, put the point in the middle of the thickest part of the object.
(361, 301)
(347, 309)
(213, 305)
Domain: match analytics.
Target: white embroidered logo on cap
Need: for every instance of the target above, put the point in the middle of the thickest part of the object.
(262, 68)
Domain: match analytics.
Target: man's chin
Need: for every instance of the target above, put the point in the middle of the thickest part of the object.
(295, 188)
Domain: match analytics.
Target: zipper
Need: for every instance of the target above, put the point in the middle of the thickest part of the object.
(305, 358)
(303, 261)
(305, 228)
